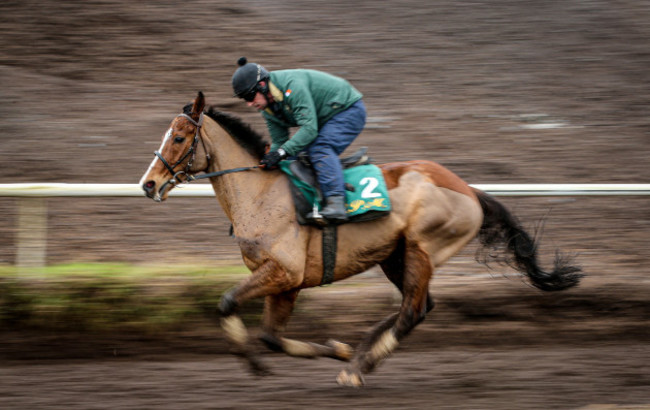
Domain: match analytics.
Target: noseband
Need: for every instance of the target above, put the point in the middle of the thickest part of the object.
(175, 179)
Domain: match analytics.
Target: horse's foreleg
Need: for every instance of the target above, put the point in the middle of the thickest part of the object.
(237, 334)
(268, 279)
(277, 310)
(384, 338)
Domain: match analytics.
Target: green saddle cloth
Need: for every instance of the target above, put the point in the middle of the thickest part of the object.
(367, 200)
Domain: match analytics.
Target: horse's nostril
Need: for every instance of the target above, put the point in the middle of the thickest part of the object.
(148, 186)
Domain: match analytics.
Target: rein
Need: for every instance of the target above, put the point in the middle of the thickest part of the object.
(222, 172)
(175, 179)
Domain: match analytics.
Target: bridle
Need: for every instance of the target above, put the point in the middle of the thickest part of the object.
(176, 175)
(191, 153)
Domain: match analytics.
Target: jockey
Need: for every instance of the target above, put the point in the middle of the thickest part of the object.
(328, 111)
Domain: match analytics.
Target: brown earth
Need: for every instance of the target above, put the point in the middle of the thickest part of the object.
(500, 92)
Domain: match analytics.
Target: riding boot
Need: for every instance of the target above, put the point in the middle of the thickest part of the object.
(335, 209)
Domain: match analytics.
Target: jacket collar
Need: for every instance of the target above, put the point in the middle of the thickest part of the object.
(277, 96)
(276, 92)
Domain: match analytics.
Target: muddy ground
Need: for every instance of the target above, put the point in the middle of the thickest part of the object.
(499, 91)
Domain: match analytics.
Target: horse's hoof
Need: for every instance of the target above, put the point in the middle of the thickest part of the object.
(342, 351)
(261, 371)
(258, 368)
(345, 378)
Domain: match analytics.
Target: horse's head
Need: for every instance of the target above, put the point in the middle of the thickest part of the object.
(175, 158)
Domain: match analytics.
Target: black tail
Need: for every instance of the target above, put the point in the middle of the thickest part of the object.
(501, 229)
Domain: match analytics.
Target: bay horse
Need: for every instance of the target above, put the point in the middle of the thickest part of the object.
(434, 215)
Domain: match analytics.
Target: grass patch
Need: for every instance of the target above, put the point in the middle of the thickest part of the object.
(116, 297)
(122, 270)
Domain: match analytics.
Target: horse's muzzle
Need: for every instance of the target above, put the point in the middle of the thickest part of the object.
(149, 189)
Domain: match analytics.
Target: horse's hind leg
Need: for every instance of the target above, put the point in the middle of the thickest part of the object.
(393, 268)
(277, 310)
(385, 336)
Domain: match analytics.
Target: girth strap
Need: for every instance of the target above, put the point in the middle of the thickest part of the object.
(329, 253)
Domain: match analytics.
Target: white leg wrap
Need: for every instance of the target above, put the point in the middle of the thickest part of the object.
(298, 348)
(384, 346)
(235, 330)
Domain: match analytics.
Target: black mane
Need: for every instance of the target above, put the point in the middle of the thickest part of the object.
(241, 132)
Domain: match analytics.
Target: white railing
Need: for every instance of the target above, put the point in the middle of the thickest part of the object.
(31, 238)
(205, 190)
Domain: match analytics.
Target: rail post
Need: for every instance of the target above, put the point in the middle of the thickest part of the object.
(31, 233)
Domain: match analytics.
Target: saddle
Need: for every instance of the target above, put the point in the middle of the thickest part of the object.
(366, 192)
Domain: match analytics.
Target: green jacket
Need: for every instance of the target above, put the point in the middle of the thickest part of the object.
(308, 99)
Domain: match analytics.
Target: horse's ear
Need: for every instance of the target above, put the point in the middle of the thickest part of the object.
(198, 106)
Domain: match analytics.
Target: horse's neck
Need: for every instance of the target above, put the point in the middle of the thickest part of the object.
(239, 193)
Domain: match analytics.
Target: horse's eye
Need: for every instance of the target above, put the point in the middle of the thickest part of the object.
(179, 139)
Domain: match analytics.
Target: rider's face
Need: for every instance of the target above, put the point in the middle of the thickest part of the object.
(259, 102)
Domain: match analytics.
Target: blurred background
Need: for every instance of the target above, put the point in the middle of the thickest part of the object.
(498, 91)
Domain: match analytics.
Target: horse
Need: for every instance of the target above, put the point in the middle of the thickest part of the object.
(434, 215)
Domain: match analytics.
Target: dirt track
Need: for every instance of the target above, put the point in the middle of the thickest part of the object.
(491, 343)
(502, 91)
(524, 378)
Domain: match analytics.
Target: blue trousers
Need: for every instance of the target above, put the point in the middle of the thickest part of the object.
(333, 138)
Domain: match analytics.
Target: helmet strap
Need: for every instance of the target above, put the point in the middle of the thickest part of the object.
(264, 90)
(274, 106)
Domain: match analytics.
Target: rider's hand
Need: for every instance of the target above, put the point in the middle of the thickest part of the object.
(272, 159)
